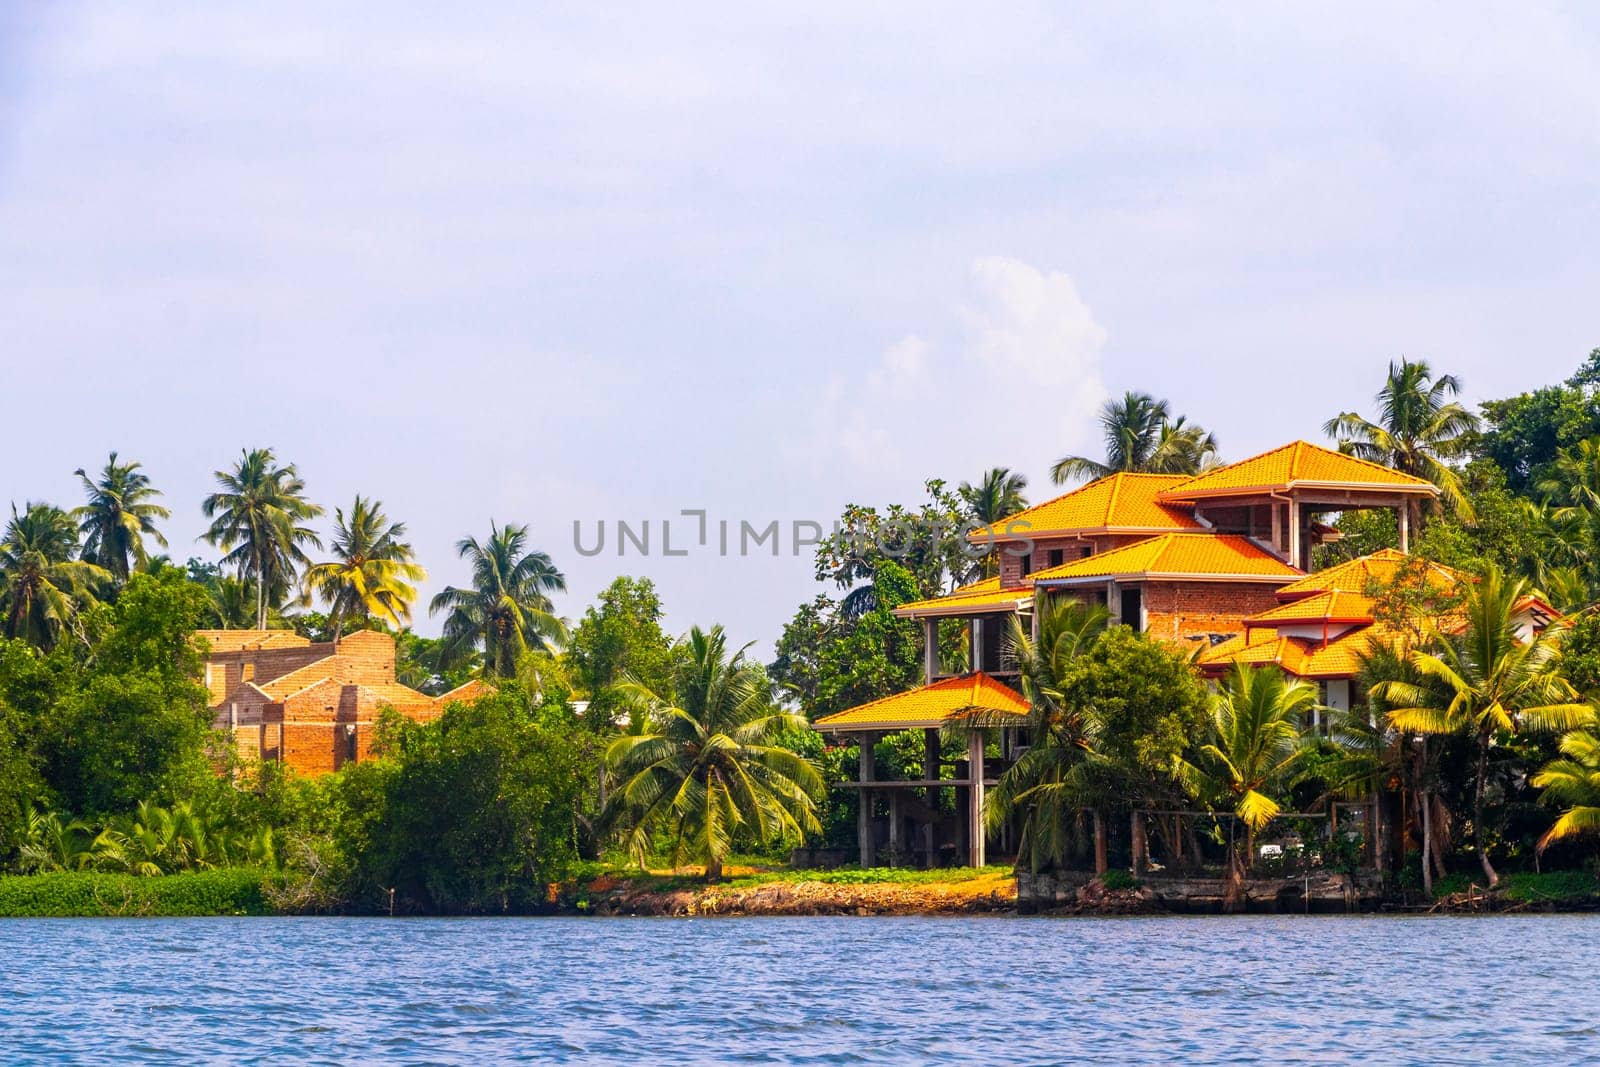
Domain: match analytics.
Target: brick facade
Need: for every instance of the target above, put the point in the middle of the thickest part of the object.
(311, 706)
(1188, 611)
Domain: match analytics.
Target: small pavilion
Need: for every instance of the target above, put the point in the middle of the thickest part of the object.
(973, 703)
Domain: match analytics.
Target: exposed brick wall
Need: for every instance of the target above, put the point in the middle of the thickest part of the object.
(1177, 611)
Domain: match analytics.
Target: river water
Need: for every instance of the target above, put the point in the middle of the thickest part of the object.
(811, 991)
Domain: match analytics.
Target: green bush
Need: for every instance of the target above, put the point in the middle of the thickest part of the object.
(233, 891)
(1117, 879)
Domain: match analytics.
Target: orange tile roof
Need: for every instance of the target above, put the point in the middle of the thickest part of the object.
(1302, 657)
(1300, 464)
(974, 599)
(1333, 605)
(1116, 502)
(1204, 556)
(970, 695)
(1359, 574)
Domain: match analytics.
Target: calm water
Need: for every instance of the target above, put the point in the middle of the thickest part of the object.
(823, 990)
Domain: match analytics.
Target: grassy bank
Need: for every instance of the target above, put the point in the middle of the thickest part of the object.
(64, 894)
(1552, 889)
(783, 891)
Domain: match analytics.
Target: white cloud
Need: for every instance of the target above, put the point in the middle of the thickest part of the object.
(1014, 382)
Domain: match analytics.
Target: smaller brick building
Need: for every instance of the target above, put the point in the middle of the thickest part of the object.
(309, 705)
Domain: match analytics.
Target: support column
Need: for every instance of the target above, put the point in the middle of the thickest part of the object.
(975, 652)
(975, 850)
(930, 650)
(864, 814)
(1294, 533)
(1405, 527)
(930, 771)
(1277, 527)
(896, 846)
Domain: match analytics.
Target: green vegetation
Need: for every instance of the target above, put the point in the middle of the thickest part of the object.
(237, 891)
(1141, 435)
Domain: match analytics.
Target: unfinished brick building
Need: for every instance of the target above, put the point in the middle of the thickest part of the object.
(309, 705)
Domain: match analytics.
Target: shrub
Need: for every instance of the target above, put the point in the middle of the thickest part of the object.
(235, 891)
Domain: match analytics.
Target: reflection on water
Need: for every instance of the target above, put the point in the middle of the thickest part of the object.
(819, 990)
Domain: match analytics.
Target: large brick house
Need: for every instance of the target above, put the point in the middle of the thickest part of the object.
(308, 705)
(1216, 563)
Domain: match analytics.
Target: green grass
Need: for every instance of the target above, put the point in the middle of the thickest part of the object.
(234, 891)
(666, 883)
(1551, 887)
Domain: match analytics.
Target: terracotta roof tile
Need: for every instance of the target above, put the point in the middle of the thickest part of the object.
(1333, 605)
(1298, 464)
(1359, 574)
(933, 705)
(1204, 556)
(1116, 502)
(969, 600)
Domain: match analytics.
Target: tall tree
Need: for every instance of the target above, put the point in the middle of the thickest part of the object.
(708, 766)
(257, 518)
(118, 517)
(617, 638)
(42, 587)
(1055, 778)
(997, 495)
(1573, 782)
(507, 609)
(1489, 682)
(374, 569)
(1419, 431)
(1141, 436)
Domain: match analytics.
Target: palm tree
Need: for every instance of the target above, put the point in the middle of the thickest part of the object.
(1489, 682)
(1055, 778)
(706, 765)
(1141, 435)
(996, 496)
(1253, 742)
(373, 572)
(118, 517)
(41, 585)
(1418, 432)
(507, 610)
(1574, 782)
(257, 519)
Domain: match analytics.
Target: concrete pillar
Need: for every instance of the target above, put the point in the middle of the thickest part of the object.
(975, 653)
(930, 650)
(1405, 527)
(930, 771)
(1294, 533)
(975, 850)
(1277, 528)
(896, 845)
(864, 815)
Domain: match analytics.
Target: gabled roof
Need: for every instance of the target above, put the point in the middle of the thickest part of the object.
(1299, 465)
(1302, 657)
(975, 599)
(1359, 574)
(1333, 605)
(1202, 556)
(1117, 502)
(973, 695)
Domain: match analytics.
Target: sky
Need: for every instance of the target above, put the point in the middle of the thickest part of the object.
(555, 264)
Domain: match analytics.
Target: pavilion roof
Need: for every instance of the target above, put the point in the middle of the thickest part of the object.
(976, 599)
(1332, 605)
(1118, 502)
(1201, 556)
(1377, 568)
(1300, 656)
(1298, 465)
(969, 696)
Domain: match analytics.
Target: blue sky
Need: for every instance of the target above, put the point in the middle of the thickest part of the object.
(546, 263)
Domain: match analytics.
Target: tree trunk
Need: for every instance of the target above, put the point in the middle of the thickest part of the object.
(1136, 830)
(1101, 862)
(714, 868)
(1477, 812)
(1426, 803)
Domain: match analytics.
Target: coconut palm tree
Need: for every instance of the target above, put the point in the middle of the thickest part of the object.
(373, 572)
(41, 586)
(1140, 435)
(1056, 778)
(118, 517)
(1574, 783)
(1254, 740)
(706, 765)
(507, 609)
(257, 519)
(996, 496)
(1488, 682)
(1419, 431)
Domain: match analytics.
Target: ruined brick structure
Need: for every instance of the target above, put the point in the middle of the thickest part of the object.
(309, 705)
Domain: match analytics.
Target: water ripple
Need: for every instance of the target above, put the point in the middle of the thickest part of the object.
(801, 991)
